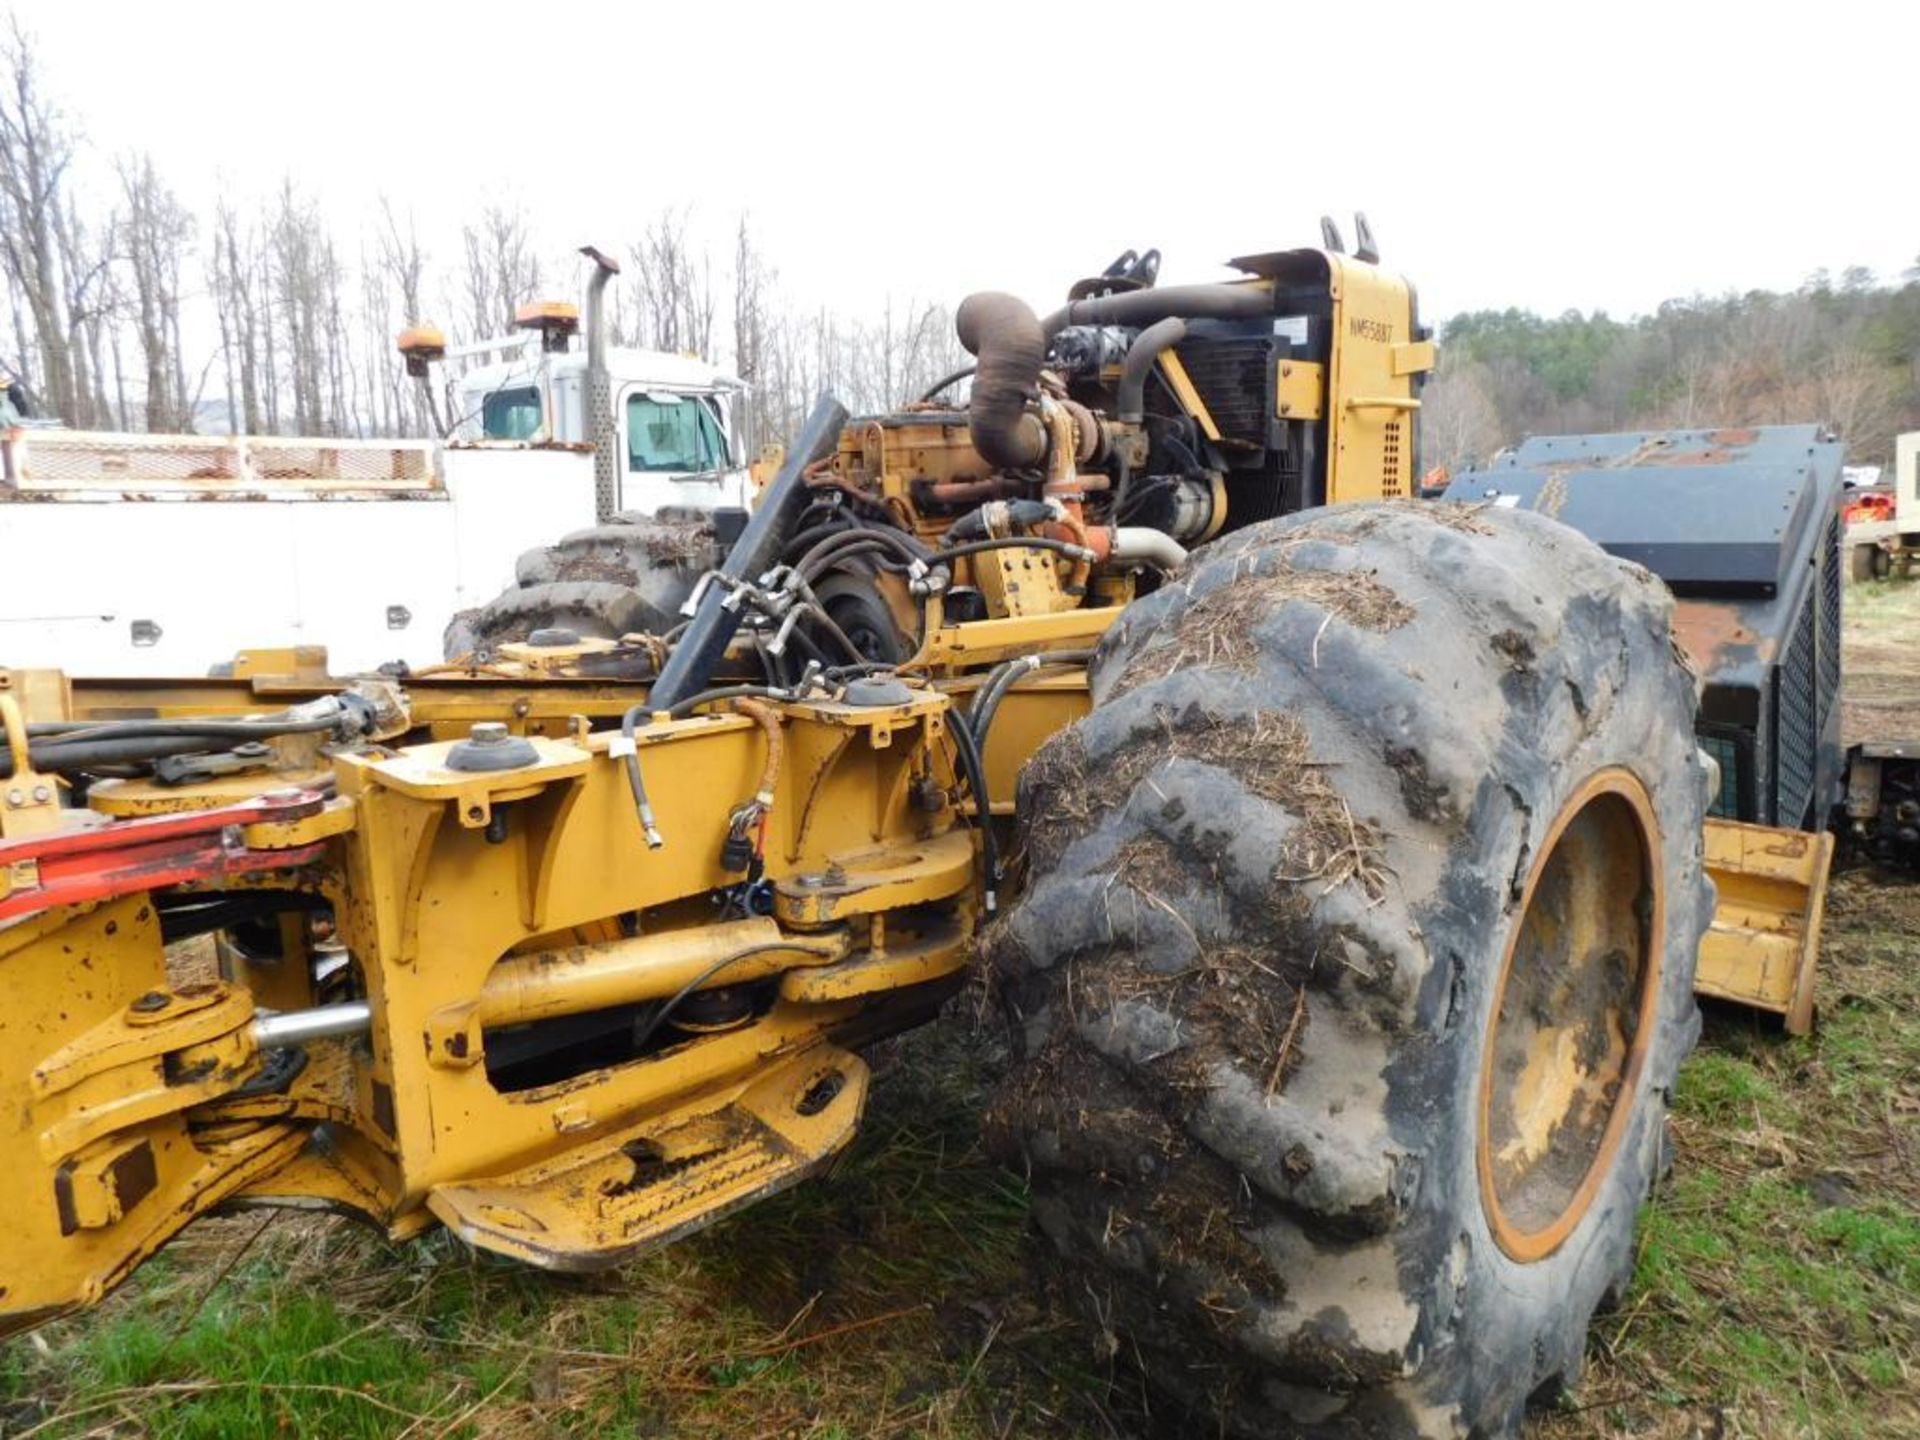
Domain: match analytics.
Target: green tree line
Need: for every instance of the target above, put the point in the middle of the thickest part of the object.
(1843, 352)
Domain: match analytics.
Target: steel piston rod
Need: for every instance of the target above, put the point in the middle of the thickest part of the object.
(580, 978)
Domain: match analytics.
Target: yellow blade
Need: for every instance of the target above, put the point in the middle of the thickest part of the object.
(1765, 936)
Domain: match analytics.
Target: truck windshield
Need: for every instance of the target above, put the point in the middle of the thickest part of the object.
(511, 414)
(673, 432)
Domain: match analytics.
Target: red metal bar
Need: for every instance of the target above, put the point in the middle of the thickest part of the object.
(149, 853)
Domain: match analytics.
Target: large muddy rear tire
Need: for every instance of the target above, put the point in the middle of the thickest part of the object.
(1355, 966)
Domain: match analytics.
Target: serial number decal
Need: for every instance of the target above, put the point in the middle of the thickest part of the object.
(1376, 330)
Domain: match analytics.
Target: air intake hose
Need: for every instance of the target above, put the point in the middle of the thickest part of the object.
(1000, 331)
(1145, 349)
(1143, 307)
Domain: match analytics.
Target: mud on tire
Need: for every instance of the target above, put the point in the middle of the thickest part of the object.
(1304, 1141)
(628, 576)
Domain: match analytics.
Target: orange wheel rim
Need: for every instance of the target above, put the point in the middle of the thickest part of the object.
(1573, 1016)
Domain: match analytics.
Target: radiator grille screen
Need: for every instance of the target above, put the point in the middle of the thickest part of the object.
(1797, 730)
(1231, 376)
(1830, 621)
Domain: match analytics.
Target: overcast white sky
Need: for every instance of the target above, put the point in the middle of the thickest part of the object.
(1543, 155)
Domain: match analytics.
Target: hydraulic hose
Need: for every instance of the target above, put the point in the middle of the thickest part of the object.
(629, 749)
(759, 547)
(944, 381)
(986, 700)
(1016, 542)
(73, 756)
(975, 770)
(68, 732)
(769, 724)
(705, 977)
(823, 554)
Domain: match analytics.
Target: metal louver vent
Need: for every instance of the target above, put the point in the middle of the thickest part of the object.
(1796, 728)
(1391, 485)
(1829, 620)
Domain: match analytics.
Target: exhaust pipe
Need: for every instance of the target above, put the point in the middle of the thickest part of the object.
(1000, 331)
(600, 422)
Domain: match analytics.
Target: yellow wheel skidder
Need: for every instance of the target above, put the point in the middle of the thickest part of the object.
(1342, 879)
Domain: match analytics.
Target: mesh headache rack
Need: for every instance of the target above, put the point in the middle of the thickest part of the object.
(89, 465)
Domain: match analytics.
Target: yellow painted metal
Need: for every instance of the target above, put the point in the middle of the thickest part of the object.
(1019, 583)
(1765, 938)
(1370, 383)
(645, 1185)
(1301, 389)
(101, 1169)
(910, 956)
(126, 799)
(1415, 357)
(30, 802)
(951, 647)
(448, 889)
(1188, 394)
(547, 983)
(887, 877)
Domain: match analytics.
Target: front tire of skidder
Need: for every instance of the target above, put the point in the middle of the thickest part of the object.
(1355, 966)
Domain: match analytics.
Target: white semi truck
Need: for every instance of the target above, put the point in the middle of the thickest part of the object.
(165, 554)
(1883, 529)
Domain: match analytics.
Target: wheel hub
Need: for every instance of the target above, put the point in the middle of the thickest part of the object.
(1573, 1016)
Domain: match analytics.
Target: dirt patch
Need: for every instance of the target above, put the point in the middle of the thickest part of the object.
(1268, 752)
(1217, 629)
(1123, 1141)
(1880, 662)
(610, 566)
(619, 554)
(1457, 515)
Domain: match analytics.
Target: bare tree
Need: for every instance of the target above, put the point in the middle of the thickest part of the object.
(35, 153)
(674, 288)
(156, 236)
(401, 279)
(753, 280)
(1857, 396)
(238, 302)
(304, 276)
(1460, 424)
(87, 257)
(502, 269)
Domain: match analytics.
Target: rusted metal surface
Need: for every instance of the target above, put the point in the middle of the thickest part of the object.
(42, 466)
(1716, 637)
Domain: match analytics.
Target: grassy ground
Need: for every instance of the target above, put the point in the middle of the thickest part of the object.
(1778, 1291)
